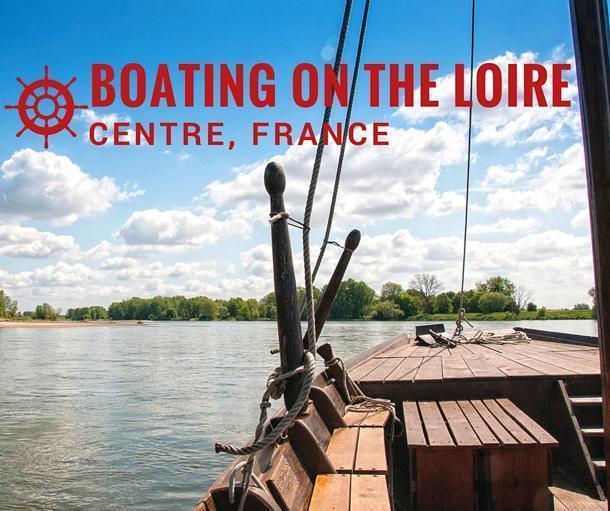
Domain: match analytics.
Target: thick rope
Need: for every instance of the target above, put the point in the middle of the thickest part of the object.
(309, 300)
(309, 369)
(468, 155)
(348, 116)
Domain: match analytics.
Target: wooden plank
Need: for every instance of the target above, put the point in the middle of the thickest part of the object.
(382, 371)
(434, 425)
(421, 351)
(498, 430)
(430, 369)
(396, 349)
(568, 364)
(508, 423)
(354, 419)
(370, 453)
(369, 493)
(460, 428)
(455, 368)
(401, 352)
(535, 363)
(445, 479)
(331, 493)
(342, 448)
(541, 435)
(507, 366)
(484, 434)
(482, 368)
(413, 426)
(406, 370)
(366, 367)
(519, 479)
(575, 500)
(375, 419)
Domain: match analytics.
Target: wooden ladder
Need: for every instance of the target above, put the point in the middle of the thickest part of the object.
(586, 414)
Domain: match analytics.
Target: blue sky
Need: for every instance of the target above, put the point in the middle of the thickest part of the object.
(123, 221)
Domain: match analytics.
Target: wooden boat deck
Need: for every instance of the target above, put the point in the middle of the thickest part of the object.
(407, 361)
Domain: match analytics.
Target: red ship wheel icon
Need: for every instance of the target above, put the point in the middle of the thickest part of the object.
(46, 107)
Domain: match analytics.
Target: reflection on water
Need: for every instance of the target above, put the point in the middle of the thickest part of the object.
(126, 417)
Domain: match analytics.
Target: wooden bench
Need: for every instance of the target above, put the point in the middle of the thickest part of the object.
(344, 449)
(332, 406)
(343, 492)
(457, 446)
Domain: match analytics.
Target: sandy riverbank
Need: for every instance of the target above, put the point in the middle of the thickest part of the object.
(64, 324)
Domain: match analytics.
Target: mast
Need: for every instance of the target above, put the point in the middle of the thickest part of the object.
(288, 321)
(590, 33)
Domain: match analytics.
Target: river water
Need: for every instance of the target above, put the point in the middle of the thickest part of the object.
(126, 417)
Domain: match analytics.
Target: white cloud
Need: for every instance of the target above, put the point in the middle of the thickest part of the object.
(502, 124)
(581, 220)
(561, 184)
(378, 182)
(46, 186)
(56, 275)
(179, 228)
(18, 241)
(507, 225)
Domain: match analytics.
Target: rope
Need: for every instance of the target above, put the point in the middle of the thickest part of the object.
(469, 155)
(348, 115)
(309, 300)
(275, 388)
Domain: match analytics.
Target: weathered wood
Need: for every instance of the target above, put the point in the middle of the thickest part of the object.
(331, 493)
(509, 424)
(288, 321)
(330, 292)
(498, 430)
(369, 493)
(445, 479)
(590, 34)
(434, 425)
(326, 408)
(342, 449)
(461, 430)
(585, 340)
(519, 479)
(413, 426)
(370, 454)
(484, 434)
(541, 435)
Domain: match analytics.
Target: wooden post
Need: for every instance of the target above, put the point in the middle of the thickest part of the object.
(590, 33)
(288, 324)
(326, 302)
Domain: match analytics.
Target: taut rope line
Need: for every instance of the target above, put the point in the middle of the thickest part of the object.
(309, 300)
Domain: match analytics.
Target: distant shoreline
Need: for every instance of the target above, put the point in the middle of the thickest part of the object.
(66, 324)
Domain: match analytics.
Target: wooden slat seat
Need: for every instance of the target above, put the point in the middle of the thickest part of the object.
(444, 437)
(374, 419)
(343, 492)
(359, 450)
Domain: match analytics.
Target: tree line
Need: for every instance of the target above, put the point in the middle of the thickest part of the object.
(355, 300)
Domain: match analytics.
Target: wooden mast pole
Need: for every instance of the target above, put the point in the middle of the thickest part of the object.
(590, 33)
(288, 323)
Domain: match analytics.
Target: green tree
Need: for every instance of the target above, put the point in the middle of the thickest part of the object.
(492, 302)
(497, 284)
(391, 291)
(428, 286)
(443, 303)
(531, 307)
(409, 305)
(386, 310)
(352, 301)
(46, 312)
(581, 307)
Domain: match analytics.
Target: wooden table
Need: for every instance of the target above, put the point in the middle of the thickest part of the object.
(490, 444)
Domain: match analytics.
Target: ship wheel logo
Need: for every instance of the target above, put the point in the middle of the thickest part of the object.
(46, 107)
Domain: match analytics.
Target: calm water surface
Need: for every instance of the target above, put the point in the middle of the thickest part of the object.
(126, 417)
